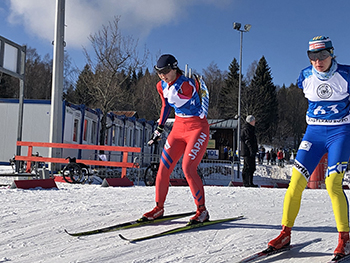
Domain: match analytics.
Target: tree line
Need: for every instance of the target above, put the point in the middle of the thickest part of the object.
(115, 78)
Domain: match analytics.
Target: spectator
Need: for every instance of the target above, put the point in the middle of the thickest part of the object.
(249, 149)
(273, 156)
(261, 154)
(280, 157)
(225, 153)
(268, 157)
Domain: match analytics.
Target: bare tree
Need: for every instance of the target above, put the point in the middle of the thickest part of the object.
(38, 75)
(250, 72)
(114, 58)
(215, 80)
(147, 101)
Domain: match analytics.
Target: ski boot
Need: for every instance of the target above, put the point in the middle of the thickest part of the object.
(283, 240)
(201, 216)
(157, 212)
(343, 247)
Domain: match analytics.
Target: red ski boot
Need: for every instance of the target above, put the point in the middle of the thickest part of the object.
(282, 240)
(343, 247)
(157, 212)
(201, 216)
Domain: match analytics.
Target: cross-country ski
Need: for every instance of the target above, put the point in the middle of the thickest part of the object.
(269, 252)
(339, 259)
(129, 224)
(183, 229)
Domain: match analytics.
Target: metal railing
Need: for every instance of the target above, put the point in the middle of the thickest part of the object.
(212, 171)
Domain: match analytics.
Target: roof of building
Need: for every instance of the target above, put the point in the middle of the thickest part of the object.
(127, 113)
(213, 123)
(222, 123)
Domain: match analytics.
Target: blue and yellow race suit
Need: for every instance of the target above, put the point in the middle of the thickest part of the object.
(328, 131)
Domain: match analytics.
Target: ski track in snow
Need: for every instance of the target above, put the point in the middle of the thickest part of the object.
(33, 223)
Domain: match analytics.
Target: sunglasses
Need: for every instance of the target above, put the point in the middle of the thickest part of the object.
(320, 55)
(165, 70)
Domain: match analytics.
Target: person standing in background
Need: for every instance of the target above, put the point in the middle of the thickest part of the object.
(249, 149)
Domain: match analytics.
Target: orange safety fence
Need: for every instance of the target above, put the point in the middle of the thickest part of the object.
(29, 158)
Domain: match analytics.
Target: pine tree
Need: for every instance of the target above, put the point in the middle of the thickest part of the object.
(9, 86)
(228, 97)
(292, 107)
(260, 100)
(82, 91)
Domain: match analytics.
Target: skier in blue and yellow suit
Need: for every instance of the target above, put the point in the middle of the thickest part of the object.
(326, 86)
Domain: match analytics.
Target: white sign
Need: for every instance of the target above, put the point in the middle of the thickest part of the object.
(10, 58)
(213, 154)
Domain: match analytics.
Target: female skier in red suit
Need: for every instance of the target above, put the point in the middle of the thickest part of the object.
(189, 135)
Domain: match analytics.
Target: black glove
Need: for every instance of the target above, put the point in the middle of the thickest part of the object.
(156, 135)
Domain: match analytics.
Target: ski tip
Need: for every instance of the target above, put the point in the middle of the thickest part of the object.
(71, 234)
(68, 232)
(124, 238)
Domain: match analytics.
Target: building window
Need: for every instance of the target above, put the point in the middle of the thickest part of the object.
(75, 130)
(93, 132)
(86, 128)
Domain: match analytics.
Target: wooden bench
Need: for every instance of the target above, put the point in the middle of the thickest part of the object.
(124, 150)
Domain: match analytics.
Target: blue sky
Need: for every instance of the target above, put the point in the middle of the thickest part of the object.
(197, 32)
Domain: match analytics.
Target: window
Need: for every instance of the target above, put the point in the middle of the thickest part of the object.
(131, 137)
(137, 138)
(86, 128)
(114, 133)
(93, 132)
(75, 130)
(120, 136)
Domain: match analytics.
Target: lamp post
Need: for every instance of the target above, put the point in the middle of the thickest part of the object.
(247, 27)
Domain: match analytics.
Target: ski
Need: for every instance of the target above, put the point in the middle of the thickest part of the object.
(338, 259)
(268, 252)
(182, 229)
(130, 224)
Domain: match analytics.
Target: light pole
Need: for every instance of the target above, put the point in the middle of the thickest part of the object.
(247, 27)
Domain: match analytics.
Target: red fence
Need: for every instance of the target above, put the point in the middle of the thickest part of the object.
(29, 158)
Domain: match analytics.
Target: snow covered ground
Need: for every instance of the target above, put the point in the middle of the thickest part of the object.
(33, 223)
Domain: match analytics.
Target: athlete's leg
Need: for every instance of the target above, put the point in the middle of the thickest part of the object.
(334, 185)
(292, 198)
(338, 156)
(173, 149)
(310, 151)
(197, 137)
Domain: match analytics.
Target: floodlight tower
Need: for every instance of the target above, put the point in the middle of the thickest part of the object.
(57, 82)
(237, 26)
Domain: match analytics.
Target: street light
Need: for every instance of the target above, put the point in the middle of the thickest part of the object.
(247, 27)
